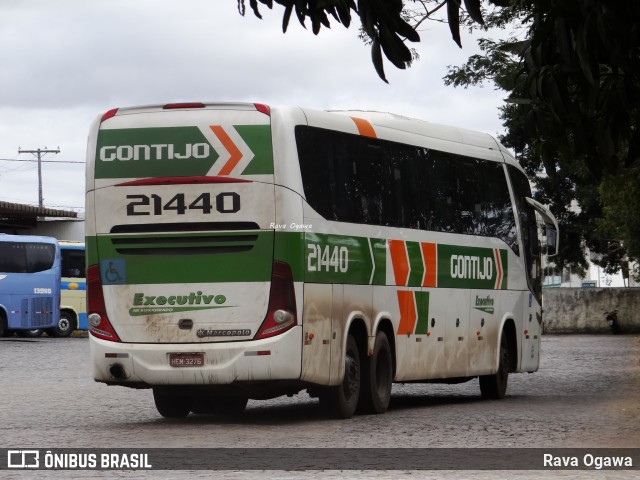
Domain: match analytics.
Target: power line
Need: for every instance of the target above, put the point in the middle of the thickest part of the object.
(43, 161)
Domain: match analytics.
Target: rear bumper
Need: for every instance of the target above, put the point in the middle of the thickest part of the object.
(147, 365)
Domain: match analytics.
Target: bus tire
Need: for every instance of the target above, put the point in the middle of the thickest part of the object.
(377, 377)
(4, 330)
(220, 404)
(171, 405)
(494, 387)
(65, 327)
(341, 401)
(30, 333)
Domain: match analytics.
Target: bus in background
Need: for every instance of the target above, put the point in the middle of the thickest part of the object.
(73, 305)
(29, 283)
(240, 251)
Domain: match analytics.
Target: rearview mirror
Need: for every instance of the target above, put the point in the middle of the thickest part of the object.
(551, 225)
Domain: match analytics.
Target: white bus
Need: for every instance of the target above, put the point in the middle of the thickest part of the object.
(241, 251)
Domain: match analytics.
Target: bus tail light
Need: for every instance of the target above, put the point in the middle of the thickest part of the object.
(281, 314)
(175, 106)
(262, 108)
(109, 114)
(99, 324)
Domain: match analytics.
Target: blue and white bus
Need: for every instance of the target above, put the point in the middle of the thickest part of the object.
(29, 283)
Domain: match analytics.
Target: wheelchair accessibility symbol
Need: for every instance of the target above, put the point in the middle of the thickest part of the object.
(113, 271)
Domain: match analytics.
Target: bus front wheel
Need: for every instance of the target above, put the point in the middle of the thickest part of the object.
(65, 327)
(172, 405)
(495, 386)
(341, 401)
(377, 377)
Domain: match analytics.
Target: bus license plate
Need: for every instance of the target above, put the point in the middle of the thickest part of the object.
(186, 359)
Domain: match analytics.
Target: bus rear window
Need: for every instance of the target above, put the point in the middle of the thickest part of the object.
(19, 257)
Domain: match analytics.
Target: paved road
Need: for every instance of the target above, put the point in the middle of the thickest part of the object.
(586, 394)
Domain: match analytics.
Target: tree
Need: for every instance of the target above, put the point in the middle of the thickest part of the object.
(385, 22)
(573, 87)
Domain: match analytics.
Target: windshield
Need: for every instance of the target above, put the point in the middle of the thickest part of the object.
(529, 229)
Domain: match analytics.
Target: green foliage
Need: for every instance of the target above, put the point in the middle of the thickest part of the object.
(383, 21)
(619, 225)
(573, 98)
(582, 72)
(573, 88)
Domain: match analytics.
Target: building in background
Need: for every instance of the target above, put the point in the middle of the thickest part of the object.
(21, 219)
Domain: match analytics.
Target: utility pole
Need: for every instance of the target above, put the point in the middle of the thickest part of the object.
(39, 153)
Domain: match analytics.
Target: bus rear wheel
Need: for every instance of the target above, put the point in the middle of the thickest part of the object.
(30, 333)
(172, 405)
(220, 404)
(65, 327)
(341, 401)
(495, 386)
(377, 378)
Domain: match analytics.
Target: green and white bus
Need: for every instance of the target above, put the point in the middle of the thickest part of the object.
(241, 251)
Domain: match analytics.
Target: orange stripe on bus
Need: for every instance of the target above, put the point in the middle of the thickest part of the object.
(400, 261)
(364, 127)
(429, 258)
(407, 304)
(235, 153)
(499, 265)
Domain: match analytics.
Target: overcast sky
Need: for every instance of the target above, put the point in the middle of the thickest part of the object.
(65, 61)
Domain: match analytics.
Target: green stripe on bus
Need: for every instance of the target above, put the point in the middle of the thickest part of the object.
(313, 257)
(422, 306)
(379, 251)
(258, 139)
(415, 262)
(91, 250)
(288, 247)
(337, 259)
(504, 257)
(155, 259)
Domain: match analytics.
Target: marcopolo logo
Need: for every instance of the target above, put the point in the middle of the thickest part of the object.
(149, 304)
(485, 304)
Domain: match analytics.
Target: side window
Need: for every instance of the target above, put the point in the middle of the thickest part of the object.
(356, 179)
(348, 178)
(487, 203)
(320, 173)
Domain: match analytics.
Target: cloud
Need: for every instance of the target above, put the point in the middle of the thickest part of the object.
(71, 60)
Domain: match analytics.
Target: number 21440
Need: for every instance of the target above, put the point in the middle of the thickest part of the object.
(327, 258)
